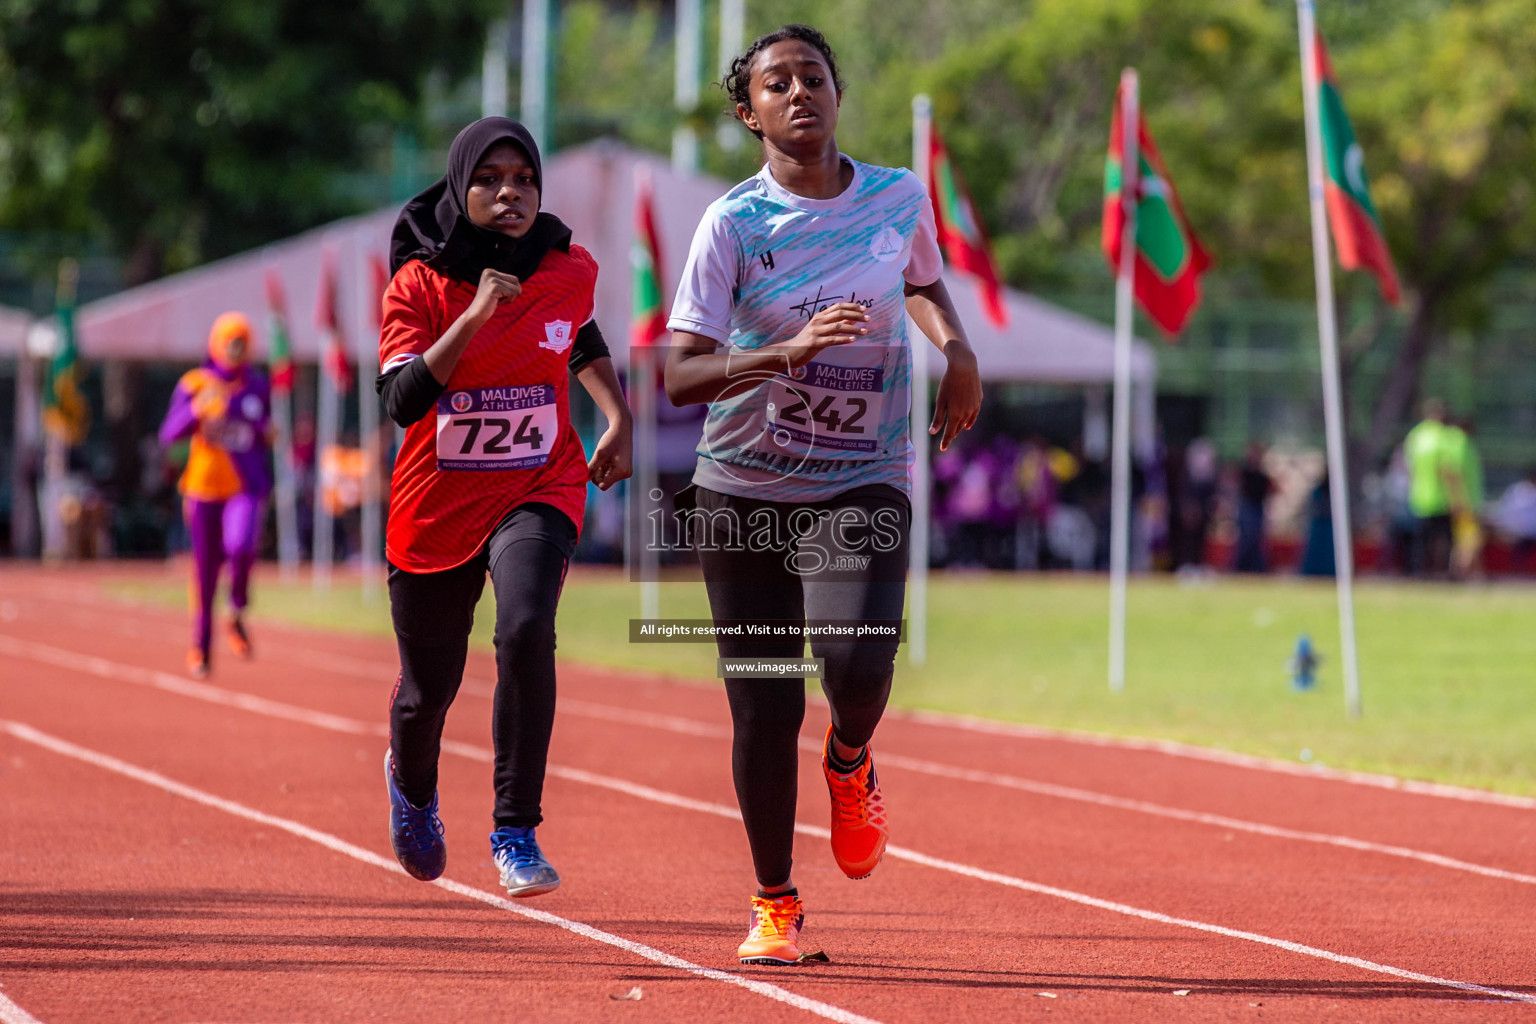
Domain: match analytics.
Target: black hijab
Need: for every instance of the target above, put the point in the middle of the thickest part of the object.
(435, 226)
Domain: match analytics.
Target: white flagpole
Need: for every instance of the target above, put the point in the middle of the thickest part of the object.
(688, 36)
(1120, 475)
(649, 533)
(327, 409)
(283, 490)
(28, 425)
(368, 414)
(642, 372)
(325, 439)
(917, 617)
(1333, 403)
(537, 41)
(733, 19)
(493, 68)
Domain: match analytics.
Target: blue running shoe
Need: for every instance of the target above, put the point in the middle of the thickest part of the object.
(524, 871)
(415, 832)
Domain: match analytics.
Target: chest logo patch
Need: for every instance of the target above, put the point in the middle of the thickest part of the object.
(557, 336)
(886, 245)
(250, 407)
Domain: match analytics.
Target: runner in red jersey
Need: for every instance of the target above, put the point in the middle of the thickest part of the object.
(488, 313)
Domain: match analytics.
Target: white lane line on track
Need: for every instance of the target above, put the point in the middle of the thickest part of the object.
(292, 713)
(1171, 748)
(105, 668)
(694, 727)
(10, 1013)
(644, 792)
(971, 723)
(64, 747)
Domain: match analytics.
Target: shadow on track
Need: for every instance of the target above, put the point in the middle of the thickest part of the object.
(907, 974)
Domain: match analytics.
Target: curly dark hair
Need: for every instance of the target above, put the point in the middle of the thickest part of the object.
(737, 82)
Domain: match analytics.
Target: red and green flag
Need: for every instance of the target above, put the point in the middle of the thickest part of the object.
(961, 235)
(1356, 226)
(279, 344)
(648, 321)
(65, 412)
(333, 351)
(1169, 259)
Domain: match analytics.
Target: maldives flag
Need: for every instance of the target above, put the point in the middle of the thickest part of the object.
(66, 413)
(333, 353)
(648, 321)
(1169, 259)
(960, 231)
(279, 346)
(1356, 227)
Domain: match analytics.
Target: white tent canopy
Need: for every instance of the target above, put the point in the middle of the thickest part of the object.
(170, 318)
(14, 325)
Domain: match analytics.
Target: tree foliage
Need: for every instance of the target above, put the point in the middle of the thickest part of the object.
(627, 92)
(1030, 107)
(180, 130)
(175, 131)
(1446, 110)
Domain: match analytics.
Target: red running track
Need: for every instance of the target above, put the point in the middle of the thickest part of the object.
(175, 851)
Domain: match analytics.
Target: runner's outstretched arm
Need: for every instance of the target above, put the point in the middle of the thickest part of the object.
(612, 458)
(959, 398)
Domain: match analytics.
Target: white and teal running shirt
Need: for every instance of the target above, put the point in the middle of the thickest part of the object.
(763, 262)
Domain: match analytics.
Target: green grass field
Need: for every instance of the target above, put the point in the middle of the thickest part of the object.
(1448, 673)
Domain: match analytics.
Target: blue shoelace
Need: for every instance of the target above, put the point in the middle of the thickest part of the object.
(522, 850)
(423, 828)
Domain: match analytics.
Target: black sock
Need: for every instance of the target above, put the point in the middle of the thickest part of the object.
(791, 891)
(842, 767)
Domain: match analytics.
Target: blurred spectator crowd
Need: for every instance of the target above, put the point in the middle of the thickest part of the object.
(1001, 502)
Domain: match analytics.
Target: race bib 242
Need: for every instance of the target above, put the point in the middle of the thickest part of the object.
(832, 408)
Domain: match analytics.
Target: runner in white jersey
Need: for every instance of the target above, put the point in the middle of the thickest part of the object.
(790, 322)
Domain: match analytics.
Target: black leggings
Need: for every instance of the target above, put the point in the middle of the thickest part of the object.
(433, 612)
(757, 581)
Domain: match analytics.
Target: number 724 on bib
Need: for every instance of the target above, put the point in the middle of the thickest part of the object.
(496, 429)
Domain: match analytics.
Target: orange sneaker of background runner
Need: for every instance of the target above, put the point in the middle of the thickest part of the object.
(197, 663)
(239, 642)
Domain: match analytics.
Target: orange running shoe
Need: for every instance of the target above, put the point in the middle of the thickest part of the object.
(197, 663)
(776, 924)
(859, 828)
(239, 639)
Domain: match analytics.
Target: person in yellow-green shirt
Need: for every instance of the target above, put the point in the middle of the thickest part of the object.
(1466, 505)
(1434, 487)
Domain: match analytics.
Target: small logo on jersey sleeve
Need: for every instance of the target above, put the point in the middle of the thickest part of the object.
(557, 336)
(887, 245)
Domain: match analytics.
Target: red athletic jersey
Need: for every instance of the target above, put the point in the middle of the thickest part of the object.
(440, 516)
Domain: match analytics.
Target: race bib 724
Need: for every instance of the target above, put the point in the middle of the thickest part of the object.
(497, 428)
